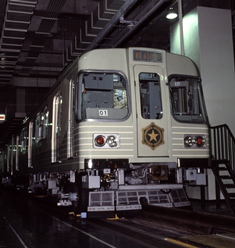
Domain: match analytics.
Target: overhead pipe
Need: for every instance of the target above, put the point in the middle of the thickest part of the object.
(115, 19)
(137, 24)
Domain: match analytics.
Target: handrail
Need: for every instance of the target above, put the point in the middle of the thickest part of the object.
(222, 144)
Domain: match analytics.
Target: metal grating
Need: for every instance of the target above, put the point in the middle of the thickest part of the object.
(158, 197)
(102, 198)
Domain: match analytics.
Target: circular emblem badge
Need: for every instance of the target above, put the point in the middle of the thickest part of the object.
(152, 136)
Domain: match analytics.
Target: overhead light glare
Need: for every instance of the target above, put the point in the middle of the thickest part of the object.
(171, 14)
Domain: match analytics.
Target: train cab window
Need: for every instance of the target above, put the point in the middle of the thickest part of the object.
(186, 100)
(150, 94)
(103, 96)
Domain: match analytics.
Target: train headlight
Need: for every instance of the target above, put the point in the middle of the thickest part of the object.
(194, 141)
(111, 140)
(188, 141)
(106, 140)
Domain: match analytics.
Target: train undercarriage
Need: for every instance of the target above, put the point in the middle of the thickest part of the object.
(106, 192)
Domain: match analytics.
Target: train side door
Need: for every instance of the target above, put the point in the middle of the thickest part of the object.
(152, 124)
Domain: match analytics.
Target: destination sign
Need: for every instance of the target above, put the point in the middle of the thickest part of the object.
(147, 56)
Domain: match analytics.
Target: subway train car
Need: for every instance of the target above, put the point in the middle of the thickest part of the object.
(121, 127)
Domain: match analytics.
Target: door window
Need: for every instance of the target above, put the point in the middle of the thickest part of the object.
(150, 96)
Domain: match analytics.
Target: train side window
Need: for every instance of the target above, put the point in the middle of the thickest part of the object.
(23, 140)
(186, 99)
(70, 121)
(150, 95)
(58, 109)
(41, 125)
(37, 128)
(102, 96)
(56, 126)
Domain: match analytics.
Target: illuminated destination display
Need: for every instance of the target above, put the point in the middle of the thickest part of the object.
(147, 56)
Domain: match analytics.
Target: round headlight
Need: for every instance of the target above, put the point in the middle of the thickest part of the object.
(188, 141)
(111, 141)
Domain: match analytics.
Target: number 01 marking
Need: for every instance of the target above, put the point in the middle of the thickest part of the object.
(103, 113)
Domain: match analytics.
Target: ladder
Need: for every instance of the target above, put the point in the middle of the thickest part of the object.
(225, 179)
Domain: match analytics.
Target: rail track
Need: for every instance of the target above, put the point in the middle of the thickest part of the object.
(191, 221)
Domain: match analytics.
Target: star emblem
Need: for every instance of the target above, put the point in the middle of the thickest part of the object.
(152, 136)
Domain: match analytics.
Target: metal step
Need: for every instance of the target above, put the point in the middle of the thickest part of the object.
(225, 177)
(229, 186)
(231, 194)
(220, 179)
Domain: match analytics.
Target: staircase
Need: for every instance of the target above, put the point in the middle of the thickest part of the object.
(225, 179)
(222, 164)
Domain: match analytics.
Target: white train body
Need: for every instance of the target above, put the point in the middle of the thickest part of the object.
(120, 127)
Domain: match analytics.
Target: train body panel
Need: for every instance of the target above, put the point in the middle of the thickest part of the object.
(178, 148)
(120, 127)
(125, 147)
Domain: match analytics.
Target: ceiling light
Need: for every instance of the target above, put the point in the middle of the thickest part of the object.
(171, 14)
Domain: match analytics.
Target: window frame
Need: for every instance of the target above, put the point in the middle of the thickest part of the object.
(79, 88)
(198, 118)
(149, 96)
(41, 125)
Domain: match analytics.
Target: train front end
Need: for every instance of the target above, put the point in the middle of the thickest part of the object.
(141, 131)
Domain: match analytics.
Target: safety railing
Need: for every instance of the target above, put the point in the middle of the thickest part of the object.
(222, 143)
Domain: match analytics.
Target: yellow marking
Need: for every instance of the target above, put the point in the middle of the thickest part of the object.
(40, 196)
(115, 218)
(177, 242)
